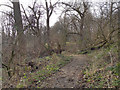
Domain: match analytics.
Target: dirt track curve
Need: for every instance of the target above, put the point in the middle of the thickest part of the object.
(68, 76)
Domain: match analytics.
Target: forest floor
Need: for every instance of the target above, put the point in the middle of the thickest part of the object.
(98, 69)
(69, 75)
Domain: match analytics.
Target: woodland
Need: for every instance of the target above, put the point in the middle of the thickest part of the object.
(81, 50)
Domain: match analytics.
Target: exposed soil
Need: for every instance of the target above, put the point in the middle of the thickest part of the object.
(69, 75)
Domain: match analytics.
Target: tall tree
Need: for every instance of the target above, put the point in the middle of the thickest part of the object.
(19, 25)
(119, 30)
(81, 9)
(35, 24)
(49, 10)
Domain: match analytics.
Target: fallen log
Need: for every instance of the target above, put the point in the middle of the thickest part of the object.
(88, 50)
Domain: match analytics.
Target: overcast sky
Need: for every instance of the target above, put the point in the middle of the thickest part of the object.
(25, 3)
(54, 16)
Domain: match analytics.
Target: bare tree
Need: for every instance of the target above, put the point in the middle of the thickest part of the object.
(81, 9)
(118, 31)
(19, 26)
(35, 24)
(49, 7)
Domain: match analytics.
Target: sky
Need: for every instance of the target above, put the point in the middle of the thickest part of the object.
(54, 16)
(25, 4)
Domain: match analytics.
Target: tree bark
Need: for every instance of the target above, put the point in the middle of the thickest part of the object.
(19, 27)
(119, 31)
(49, 11)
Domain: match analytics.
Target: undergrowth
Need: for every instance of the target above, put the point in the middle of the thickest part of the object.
(103, 70)
(47, 66)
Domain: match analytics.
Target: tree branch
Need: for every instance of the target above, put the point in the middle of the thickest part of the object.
(6, 5)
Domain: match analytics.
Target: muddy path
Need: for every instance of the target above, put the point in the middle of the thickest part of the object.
(67, 76)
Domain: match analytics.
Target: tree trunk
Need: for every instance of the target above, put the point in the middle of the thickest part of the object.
(19, 27)
(110, 27)
(49, 13)
(119, 31)
(81, 40)
(48, 31)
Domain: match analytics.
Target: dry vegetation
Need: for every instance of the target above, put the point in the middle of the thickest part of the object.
(103, 70)
(32, 50)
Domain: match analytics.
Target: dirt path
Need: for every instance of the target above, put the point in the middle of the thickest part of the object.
(69, 75)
